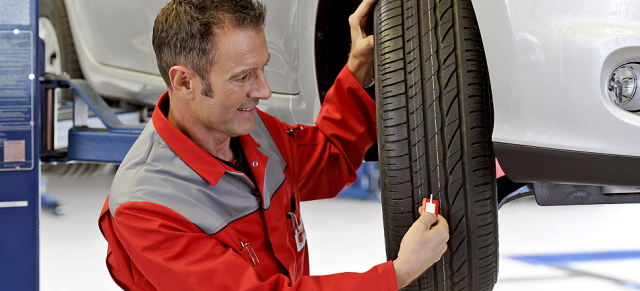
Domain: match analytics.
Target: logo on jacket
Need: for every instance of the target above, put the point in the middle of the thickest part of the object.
(298, 231)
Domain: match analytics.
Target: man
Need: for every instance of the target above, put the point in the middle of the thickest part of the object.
(208, 197)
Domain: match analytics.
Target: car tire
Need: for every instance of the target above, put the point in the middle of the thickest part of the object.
(60, 53)
(60, 58)
(434, 135)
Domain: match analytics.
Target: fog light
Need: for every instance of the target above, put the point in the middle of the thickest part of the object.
(623, 87)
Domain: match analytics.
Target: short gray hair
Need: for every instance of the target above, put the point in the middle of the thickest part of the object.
(184, 31)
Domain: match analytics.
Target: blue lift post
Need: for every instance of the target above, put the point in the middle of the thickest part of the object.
(19, 145)
(25, 110)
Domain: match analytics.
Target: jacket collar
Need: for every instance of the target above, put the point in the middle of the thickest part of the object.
(207, 166)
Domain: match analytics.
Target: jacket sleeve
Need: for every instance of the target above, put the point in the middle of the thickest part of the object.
(325, 157)
(167, 252)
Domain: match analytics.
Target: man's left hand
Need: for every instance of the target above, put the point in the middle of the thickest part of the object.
(361, 56)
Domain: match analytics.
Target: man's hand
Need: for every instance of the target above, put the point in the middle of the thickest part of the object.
(422, 246)
(361, 56)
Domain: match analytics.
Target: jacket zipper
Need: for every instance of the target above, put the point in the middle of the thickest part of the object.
(252, 254)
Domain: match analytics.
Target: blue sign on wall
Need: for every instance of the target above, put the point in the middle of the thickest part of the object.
(17, 78)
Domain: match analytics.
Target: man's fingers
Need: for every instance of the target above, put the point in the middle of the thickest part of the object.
(361, 16)
(363, 10)
(442, 227)
(366, 43)
(442, 250)
(360, 61)
(428, 219)
(442, 223)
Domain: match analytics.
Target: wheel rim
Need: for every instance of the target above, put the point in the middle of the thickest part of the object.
(52, 53)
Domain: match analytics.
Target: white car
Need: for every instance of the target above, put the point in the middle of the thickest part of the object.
(551, 86)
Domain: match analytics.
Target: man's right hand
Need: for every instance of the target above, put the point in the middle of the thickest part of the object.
(422, 246)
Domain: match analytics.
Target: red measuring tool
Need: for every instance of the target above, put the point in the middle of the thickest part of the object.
(430, 205)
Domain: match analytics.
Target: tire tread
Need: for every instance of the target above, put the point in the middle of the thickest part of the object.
(433, 98)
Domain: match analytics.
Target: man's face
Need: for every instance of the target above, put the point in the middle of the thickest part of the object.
(237, 83)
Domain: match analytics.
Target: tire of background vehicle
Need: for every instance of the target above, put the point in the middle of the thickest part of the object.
(61, 57)
(64, 56)
(434, 135)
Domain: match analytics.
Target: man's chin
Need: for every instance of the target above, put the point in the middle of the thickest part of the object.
(246, 129)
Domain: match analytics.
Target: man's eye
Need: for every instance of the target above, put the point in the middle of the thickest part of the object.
(244, 78)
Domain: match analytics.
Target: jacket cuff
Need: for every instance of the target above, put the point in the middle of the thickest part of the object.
(351, 80)
(390, 270)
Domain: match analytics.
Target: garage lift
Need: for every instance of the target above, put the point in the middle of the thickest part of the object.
(26, 117)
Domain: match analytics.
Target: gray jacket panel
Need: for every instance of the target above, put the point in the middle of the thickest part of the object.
(153, 172)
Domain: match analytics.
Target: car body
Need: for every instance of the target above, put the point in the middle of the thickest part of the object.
(549, 64)
(113, 42)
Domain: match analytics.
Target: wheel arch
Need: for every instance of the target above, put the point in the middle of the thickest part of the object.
(332, 40)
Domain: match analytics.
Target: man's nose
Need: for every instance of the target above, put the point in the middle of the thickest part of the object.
(261, 89)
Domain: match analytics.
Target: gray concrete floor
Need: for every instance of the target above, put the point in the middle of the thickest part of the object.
(346, 235)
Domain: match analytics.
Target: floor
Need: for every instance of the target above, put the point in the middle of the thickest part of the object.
(541, 248)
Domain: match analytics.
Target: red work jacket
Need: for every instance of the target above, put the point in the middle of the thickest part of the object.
(178, 219)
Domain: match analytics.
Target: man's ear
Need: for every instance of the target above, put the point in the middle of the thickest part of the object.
(182, 80)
